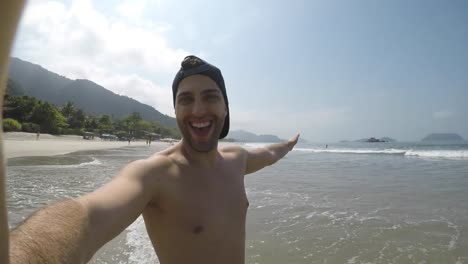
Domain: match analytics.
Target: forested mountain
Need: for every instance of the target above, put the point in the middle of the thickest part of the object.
(33, 80)
(245, 136)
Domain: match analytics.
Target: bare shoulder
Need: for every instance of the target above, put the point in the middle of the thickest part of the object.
(233, 151)
(231, 148)
(154, 166)
(168, 160)
(159, 162)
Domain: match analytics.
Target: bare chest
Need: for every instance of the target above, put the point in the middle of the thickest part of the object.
(214, 201)
(208, 203)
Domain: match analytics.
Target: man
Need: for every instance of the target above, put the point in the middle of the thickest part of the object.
(191, 195)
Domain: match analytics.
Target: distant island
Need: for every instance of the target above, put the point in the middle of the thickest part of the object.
(442, 137)
(376, 140)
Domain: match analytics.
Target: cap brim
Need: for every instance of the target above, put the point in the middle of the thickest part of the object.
(225, 130)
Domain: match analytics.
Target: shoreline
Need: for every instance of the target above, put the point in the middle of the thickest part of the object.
(19, 144)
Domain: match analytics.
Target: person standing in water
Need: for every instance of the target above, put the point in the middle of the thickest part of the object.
(191, 195)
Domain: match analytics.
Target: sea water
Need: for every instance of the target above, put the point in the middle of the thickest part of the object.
(345, 203)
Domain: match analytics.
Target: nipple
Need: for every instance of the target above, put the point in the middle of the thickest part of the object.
(198, 229)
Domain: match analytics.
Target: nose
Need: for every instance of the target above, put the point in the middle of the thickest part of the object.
(199, 108)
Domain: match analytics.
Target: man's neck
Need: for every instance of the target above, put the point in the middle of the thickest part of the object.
(204, 159)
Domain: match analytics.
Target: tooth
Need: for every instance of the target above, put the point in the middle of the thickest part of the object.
(201, 125)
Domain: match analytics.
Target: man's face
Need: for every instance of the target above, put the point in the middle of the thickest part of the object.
(200, 112)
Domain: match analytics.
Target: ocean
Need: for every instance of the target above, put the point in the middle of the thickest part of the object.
(348, 203)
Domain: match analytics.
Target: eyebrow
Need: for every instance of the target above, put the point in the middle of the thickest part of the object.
(183, 94)
(204, 92)
(208, 91)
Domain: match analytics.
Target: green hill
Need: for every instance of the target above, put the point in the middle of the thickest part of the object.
(94, 99)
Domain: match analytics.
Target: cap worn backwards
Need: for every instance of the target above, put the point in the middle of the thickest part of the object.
(192, 65)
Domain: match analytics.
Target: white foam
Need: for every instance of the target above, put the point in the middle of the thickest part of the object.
(454, 238)
(352, 151)
(452, 154)
(84, 164)
(138, 240)
(311, 215)
(352, 260)
(457, 154)
(296, 216)
(93, 162)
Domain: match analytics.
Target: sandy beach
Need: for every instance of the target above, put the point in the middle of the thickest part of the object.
(19, 144)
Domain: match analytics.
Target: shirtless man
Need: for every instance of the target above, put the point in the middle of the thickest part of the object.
(191, 195)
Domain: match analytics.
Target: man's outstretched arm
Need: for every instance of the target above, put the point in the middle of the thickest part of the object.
(54, 234)
(259, 158)
(72, 231)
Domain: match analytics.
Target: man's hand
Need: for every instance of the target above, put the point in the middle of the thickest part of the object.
(261, 157)
(293, 141)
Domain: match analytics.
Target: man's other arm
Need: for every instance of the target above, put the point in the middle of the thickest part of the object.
(72, 231)
(10, 12)
(259, 158)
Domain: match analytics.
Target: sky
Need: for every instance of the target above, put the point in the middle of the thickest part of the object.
(331, 70)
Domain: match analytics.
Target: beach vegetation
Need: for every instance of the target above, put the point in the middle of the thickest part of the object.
(20, 108)
(30, 127)
(105, 123)
(10, 124)
(49, 118)
(77, 119)
(33, 115)
(91, 123)
(68, 109)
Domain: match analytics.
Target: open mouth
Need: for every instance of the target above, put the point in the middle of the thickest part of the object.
(201, 129)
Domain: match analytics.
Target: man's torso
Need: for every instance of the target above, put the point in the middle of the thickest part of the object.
(198, 214)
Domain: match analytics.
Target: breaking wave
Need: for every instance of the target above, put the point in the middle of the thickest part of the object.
(449, 154)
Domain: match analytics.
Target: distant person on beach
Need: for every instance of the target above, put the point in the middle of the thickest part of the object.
(191, 195)
(38, 134)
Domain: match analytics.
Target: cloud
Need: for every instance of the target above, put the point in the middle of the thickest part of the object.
(443, 114)
(135, 9)
(131, 8)
(77, 41)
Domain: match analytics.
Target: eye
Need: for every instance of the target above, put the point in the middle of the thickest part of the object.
(212, 97)
(184, 100)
